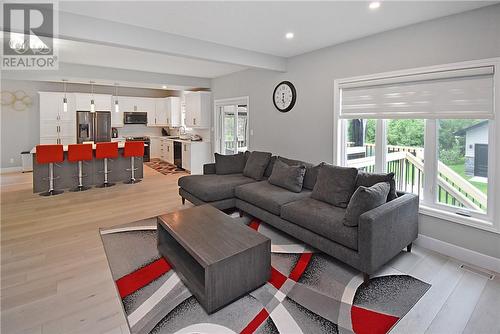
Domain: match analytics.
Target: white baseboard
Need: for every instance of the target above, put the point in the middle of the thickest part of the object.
(11, 169)
(460, 253)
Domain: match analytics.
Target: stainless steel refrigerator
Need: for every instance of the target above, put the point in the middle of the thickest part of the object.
(94, 127)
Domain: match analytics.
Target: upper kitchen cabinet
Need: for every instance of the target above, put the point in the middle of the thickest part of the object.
(56, 125)
(168, 111)
(102, 102)
(52, 106)
(131, 104)
(198, 109)
(117, 117)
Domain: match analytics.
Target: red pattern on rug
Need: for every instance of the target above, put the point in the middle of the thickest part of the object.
(256, 322)
(138, 279)
(370, 322)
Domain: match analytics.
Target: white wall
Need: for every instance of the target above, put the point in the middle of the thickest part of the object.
(306, 132)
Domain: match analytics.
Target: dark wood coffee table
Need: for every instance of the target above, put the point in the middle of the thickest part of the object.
(217, 258)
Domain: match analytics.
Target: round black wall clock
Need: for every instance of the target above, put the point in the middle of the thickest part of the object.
(284, 96)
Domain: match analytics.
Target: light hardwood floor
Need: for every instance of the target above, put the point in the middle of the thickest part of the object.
(55, 278)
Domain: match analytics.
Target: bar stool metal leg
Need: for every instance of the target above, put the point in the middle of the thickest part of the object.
(51, 191)
(106, 172)
(133, 169)
(80, 186)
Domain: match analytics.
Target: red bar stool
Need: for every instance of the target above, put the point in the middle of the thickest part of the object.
(50, 154)
(106, 151)
(133, 149)
(80, 153)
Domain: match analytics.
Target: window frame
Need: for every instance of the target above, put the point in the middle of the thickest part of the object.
(429, 204)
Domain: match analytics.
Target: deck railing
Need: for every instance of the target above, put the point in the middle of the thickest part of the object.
(407, 164)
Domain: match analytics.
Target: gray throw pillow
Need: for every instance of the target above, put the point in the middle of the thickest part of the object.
(365, 199)
(229, 164)
(256, 165)
(335, 185)
(369, 179)
(311, 176)
(311, 171)
(288, 177)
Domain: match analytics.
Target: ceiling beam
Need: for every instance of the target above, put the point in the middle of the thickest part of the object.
(106, 75)
(89, 29)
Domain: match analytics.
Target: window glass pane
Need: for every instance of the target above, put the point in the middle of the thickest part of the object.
(242, 128)
(405, 153)
(463, 163)
(228, 129)
(360, 144)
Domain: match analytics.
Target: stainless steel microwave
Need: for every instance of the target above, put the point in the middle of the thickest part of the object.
(135, 118)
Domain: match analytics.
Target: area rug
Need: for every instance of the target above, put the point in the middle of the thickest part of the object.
(308, 291)
(164, 167)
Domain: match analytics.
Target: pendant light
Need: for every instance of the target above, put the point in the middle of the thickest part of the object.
(117, 107)
(65, 100)
(92, 104)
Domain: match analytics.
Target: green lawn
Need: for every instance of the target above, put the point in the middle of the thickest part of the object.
(460, 169)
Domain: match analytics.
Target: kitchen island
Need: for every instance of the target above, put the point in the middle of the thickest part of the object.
(66, 173)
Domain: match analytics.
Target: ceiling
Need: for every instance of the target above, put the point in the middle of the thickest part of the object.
(75, 52)
(261, 26)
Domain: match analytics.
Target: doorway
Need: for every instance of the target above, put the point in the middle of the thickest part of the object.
(232, 128)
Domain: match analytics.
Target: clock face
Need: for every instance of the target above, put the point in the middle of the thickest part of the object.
(284, 96)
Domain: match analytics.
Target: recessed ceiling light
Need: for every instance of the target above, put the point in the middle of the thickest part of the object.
(164, 87)
(374, 5)
(289, 35)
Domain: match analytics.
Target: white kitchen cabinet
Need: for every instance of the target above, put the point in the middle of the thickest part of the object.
(198, 109)
(55, 124)
(195, 155)
(102, 102)
(154, 149)
(170, 151)
(186, 156)
(168, 111)
(163, 149)
(117, 117)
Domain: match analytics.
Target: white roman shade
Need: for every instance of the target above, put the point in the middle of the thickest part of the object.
(460, 93)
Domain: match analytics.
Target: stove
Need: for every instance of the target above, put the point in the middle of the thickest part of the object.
(147, 147)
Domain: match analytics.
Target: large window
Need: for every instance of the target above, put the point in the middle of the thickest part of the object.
(433, 128)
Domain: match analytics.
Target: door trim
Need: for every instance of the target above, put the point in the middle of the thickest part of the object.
(224, 102)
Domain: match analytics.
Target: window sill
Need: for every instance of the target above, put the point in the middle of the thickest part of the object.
(453, 217)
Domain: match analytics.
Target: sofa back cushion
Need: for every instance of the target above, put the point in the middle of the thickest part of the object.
(335, 185)
(369, 179)
(256, 165)
(288, 177)
(229, 164)
(365, 199)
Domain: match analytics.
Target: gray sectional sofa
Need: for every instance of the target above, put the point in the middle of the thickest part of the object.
(381, 233)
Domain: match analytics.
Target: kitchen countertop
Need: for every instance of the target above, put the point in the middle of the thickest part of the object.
(121, 144)
(175, 138)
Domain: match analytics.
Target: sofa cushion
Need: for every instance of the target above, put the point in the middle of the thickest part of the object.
(288, 177)
(369, 179)
(311, 171)
(323, 219)
(256, 165)
(335, 185)
(364, 199)
(229, 164)
(267, 196)
(213, 187)
(270, 166)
